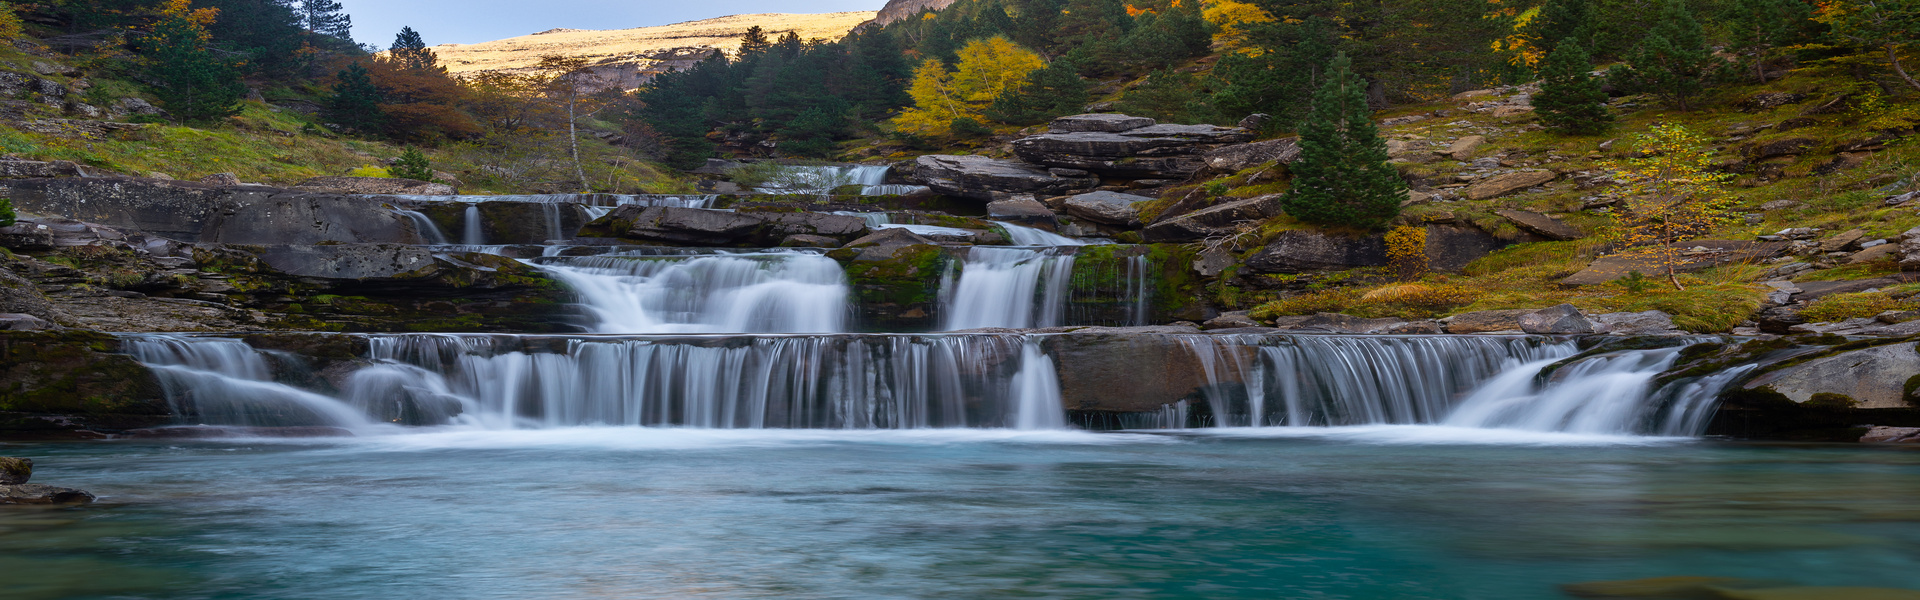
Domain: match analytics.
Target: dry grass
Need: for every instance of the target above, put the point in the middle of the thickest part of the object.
(522, 52)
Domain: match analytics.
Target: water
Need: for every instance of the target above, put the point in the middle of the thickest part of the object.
(1028, 236)
(473, 228)
(429, 232)
(1007, 287)
(1600, 395)
(644, 291)
(588, 200)
(822, 179)
(227, 382)
(1357, 513)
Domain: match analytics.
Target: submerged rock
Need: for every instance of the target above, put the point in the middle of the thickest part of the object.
(1892, 435)
(15, 471)
(34, 493)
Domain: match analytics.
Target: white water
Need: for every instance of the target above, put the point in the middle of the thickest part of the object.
(822, 179)
(774, 292)
(594, 200)
(429, 232)
(473, 232)
(227, 382)
(1604, 395)
(1036, 392)
(1028, 236)
(1018, 288)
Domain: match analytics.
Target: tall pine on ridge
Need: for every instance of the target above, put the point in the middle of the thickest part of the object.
(1342, 177)
(324, 17)
(1570, 100)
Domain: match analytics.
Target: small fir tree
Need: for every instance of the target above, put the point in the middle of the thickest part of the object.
(355, 103)
(1051, 92)
(325, 17)
(412, 164)
(1342, 176)
(1756, 29)
(1674, 61)
(411, 51)
(1570, 100)
(177, 56)
(1560, 21)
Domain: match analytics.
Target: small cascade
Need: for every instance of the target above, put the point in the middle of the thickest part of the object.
(1307, 380)
(823, 179)
(1608, 394)
(1036, 392)
(590, 200)
(473, 229)
(429, 232)
(646, 291)
(223, 381)
(1017, 288)
(555, 231)
(1028, 236)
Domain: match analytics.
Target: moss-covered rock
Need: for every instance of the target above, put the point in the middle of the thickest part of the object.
(897, 293)
(61, 384)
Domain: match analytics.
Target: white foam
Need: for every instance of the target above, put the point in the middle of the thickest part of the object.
(675, 438)
(1438, 435)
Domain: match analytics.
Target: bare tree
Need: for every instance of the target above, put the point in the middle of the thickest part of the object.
(571, 85)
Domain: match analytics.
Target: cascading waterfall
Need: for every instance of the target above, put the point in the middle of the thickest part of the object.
(822, 179)
(1016, 288)
(1607, 394)
(473, 232)
(429, 232)
(646, 291)
(1028, 236)
(226, 382)
(585, 200)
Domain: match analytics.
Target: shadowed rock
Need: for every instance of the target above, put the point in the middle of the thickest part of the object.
(1542, 225)
(1211, 221)
(1112, 208)
(1310, 250)
(979, 177)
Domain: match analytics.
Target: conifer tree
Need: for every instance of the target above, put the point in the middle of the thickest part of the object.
(412, 164)
(355, 103)
(324, 17)
(1560, 20)
(1887, 25)
(754, 42)
(1342, 176)
(193, 82)
(1051, 92)
(1673, 61)
(1570, 100)
(411, 51)
(1756, 28)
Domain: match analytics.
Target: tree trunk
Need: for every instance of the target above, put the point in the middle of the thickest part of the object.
(573, 141)
(1894, 57)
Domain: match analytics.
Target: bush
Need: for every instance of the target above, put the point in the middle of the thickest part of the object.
(7, 215)
(380, 172)
(1335, 300)
(412, 165)
(1840, 307)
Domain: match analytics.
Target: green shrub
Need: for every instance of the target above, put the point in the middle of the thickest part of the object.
(412, 165)
(7, 215)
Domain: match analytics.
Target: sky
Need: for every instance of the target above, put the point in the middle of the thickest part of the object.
(473, 21)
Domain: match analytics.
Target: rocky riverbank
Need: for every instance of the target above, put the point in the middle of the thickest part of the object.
(14, 489)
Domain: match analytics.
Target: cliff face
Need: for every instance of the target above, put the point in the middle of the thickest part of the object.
(896, 10)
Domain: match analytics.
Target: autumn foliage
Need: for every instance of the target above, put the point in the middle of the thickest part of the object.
(988, 68)
(1673, 195)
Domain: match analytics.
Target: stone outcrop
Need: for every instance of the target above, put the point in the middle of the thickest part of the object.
(15, 471)
(1212, 221)
(34, 493)
(1488, 321)
(1021, 209)
(1239, 157)
(1559, 320)
(1541, 225)
(1650, 322)
(195, 212)
(704, 227)
(978, 177)
(61, 384)
(1110, 208)
(1463, 148)
(386, 287)
(1304, 250)
(1124, 146)
(1696, 255)
(899, 10)
(1501, 185)
(1870, 378)
(377, 185)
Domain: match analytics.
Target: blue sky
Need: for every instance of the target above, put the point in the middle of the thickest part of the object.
(473, 21)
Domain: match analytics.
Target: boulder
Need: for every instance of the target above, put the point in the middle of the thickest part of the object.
(1815, 290)
(15, 471)
(1155, 152)
(1541, 225)
(780, 225)
(1842, 241)
(26, 169)
(24, 322)
(379, 185)
(1650, 322)
(1239, 157)
(801, 240)
(1230, 320)
(883, 244)
(1874, 254)
(1559, 320)
(1215, 220)
(1910, 250)
(1450, 248)
(1488, 321)
(1132, 369)
(1343, 323)
(1100, 122)
(978, 177)
(1872, 377)
(1021, 208)
(1891, 435)
(34, 493)
(1501, 185)
(1304, 250)
(1462, 149)
(1112, 208)
(1780, 320)
(221, 179)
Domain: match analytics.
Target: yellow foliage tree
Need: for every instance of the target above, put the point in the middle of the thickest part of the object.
(10, 26)
(1672, 196)
(987, 69)
(1233, 17)
(1407, 252)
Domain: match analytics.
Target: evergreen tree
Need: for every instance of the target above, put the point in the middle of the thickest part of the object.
(1280, 80)
(411, 51)
(1561, 20)
(324, 17)
(1054, 91)
(412, 164)
(1570, 100)
(193, 82)
(1342, 176)
(754, 42)
(7, 216)
(1885, 25)
(355, 103)
(1673, 61)
(1755, 28)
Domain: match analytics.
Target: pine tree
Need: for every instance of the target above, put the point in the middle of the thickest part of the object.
(412, 164)
(1570, 100)
(324, 17)
(755, 42)
(1342, 177)
(411, 51)
(193, 82)
(1756, 28)
(1051, 92)
(1886, 25)
(1559, 21)
(355, 103)
(1673, 61)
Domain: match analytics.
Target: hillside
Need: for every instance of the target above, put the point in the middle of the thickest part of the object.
(642, 51)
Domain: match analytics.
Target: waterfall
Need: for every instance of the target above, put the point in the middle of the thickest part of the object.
(769, 292)
(599, 200)
(1607, 394)
(554, 233)
(429, 232)
(226, 382)
(1036, 392)
(1028, 236)
(473, 232)
(1017, 288)
(822, 179)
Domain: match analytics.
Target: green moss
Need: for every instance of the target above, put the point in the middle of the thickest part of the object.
(1831, 401)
